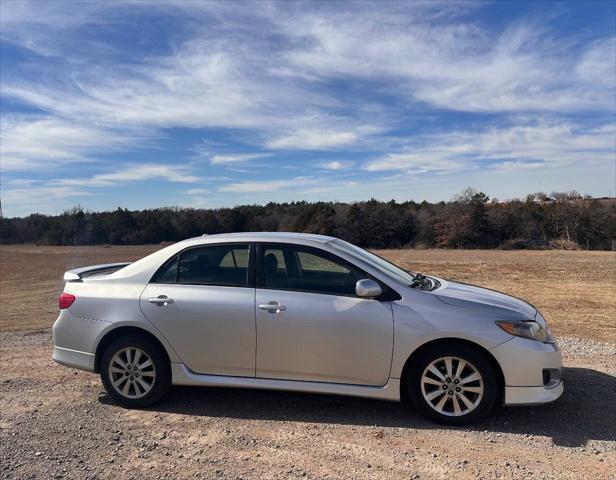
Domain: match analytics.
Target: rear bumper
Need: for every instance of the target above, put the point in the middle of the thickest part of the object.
(75, 340)
(74, 358)
(532, 395)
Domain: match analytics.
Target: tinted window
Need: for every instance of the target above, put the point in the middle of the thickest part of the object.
(311, 262)
(168, 273)
(225, 265)
(387, 268)
(236, 257)
(306, 269)
(275, 268)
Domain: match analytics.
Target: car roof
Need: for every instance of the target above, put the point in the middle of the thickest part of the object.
(283, 237)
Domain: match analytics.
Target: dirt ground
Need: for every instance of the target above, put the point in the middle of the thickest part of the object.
(58, 423)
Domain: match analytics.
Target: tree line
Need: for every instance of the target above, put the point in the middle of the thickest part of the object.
(469, 220)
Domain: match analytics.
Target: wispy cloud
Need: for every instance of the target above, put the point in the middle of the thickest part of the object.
(458, 65)
(30, 143)
(312, 140)
(221, 159)
(40, 198)
(534, 143)
(135, 173)
(336, 165)
(259, 91)
(268, 185)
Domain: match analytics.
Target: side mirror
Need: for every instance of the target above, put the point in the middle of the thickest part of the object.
(367, 288)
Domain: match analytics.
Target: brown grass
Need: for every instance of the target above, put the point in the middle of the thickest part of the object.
(575, 290)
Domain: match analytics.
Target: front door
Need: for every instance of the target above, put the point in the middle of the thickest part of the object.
(310, 324)
(210, 321)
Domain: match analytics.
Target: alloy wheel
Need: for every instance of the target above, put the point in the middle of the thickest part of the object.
(132, 372)
(452, 386)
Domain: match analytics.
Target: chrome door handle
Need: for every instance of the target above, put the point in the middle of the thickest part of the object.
(161, 300)
(272, 307)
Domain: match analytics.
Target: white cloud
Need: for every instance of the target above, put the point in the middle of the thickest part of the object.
(37, 198)
(425, 53)
(304, 139)
(426, 161)
(25, 195)
(537, 144)
(192, 88)
(509, 166)
(221, 159)
(169, 173)
(205, 83)
(596, 64)
(302, 76)
(197, 191)
(457, 65)
(336, 165)
(268, 185)
(30, 143)
(316, 132)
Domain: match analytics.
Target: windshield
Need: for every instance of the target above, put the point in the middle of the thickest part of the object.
(387, 268)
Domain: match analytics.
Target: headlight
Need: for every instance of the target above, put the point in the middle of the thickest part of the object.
(527, 329)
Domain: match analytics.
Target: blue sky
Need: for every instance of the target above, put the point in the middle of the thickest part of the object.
(207, 104)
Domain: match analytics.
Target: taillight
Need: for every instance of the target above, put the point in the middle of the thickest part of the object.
(65, 300)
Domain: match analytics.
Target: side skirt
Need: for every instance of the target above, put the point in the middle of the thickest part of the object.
(181, 375)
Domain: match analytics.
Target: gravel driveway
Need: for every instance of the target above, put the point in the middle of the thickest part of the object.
(57, 423)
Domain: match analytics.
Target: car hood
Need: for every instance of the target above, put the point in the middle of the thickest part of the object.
(471, 296)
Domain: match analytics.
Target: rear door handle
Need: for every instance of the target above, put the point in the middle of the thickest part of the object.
(161, 300)
(272, 307)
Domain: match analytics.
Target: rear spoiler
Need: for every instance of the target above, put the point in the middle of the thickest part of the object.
(78, 274)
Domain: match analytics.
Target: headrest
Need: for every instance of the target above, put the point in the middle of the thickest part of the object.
(203, 260)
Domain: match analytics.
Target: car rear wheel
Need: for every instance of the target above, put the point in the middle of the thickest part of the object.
(454, 385)
(134, 372)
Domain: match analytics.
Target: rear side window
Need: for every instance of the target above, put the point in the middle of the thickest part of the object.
(224, 265)
(236, 257)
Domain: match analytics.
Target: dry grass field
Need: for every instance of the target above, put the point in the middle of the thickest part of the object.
(575, 290)
(56, 422)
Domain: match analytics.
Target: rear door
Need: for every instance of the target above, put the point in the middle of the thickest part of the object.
(311, 325)
(202, 300)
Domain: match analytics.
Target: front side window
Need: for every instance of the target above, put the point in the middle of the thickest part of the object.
(225, 265)
(387, 268)
(294, 267)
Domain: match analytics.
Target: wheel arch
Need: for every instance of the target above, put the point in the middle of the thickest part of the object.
(123, 331)
(500, 377)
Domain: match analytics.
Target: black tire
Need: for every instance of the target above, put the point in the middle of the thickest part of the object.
(160, 365)
(485, 402)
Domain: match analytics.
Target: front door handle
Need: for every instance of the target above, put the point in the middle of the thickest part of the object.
(272, 307)
(161, 300)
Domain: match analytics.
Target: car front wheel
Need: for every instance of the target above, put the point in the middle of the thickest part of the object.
(134, 372)
(454, 385)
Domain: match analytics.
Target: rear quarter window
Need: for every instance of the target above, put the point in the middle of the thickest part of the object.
(168, 272)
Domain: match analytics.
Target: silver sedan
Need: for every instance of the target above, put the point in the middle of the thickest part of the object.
(306, 313)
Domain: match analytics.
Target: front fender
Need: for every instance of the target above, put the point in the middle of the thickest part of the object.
(433, 320)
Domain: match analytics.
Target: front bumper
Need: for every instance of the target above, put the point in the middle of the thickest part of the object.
(523, 363)
(532, 395)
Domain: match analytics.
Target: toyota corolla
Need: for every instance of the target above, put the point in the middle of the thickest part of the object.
(307, 313)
